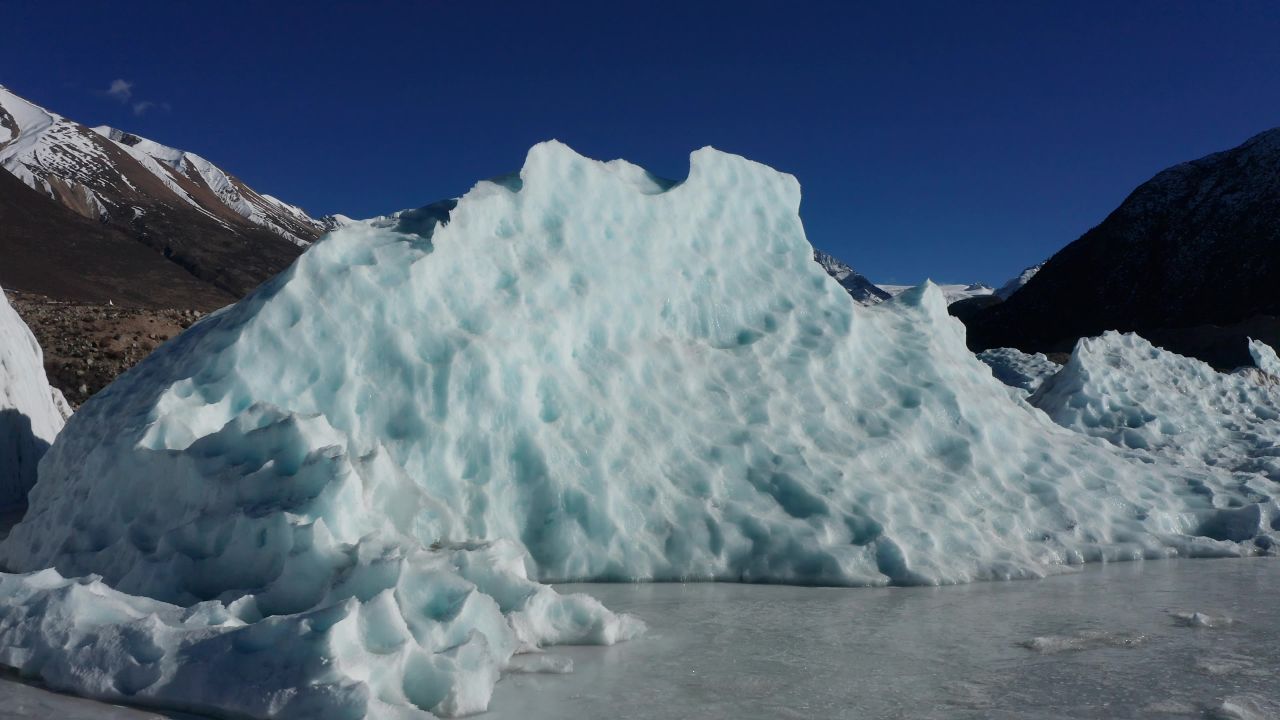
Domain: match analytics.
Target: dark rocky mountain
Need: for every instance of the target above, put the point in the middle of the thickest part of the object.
(1016, 284)
(1190, 260)
(106, 189)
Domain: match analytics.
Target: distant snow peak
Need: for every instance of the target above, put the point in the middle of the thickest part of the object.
(859, 287)
(952, 292)
(1015, 284)
(335, 221)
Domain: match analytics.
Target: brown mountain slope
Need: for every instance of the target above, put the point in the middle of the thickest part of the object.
(46, 248)
(185, 209)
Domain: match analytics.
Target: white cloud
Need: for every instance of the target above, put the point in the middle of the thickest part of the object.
(120, 89)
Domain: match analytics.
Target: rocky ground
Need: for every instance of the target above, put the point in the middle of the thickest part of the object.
(88, 345)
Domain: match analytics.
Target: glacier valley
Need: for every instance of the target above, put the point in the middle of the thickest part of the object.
(345, 496)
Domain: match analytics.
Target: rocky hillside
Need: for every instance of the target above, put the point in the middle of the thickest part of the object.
(87, 345)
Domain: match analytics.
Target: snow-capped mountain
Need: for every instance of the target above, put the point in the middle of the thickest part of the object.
(196, 214)
(335, 221)
(96, 172)
(179, 169)
(1189, 260)
(859, 287)
(1015, 284)
(953, 293)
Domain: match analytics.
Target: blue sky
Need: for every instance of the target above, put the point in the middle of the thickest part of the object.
(959, 141)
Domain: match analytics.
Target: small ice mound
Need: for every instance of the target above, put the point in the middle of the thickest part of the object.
(1197, 619)
(1172, 707)
(1245, 707)
(1256, 521)
(969, 695)
(1264, 357)
(1123, 389)
(427, 632)
(1083, 640)
(1231, 664)
(1017, 369)
(540, 663)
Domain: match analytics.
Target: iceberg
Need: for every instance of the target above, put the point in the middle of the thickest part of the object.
(373, 462)
(31, 412)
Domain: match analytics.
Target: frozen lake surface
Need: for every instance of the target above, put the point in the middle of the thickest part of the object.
(1114, 643)
(1117, 641)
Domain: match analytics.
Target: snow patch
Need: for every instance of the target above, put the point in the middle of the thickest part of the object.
(1015, 284)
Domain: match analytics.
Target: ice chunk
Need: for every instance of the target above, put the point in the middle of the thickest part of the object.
(31, 413)
(1084, 640)
(1017, 369)
(1245, 707)
(411, 636)
(1195, 618)
(1264, 357)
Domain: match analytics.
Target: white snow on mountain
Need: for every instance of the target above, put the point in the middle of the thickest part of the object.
(283, 219)
(335, 221)
(1017, 369)
(31, 412)
(86, 170)
(862, 290)
(574, 373)
(1015, 284)
(951, 293)
(1123, 389)
(50, 154)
